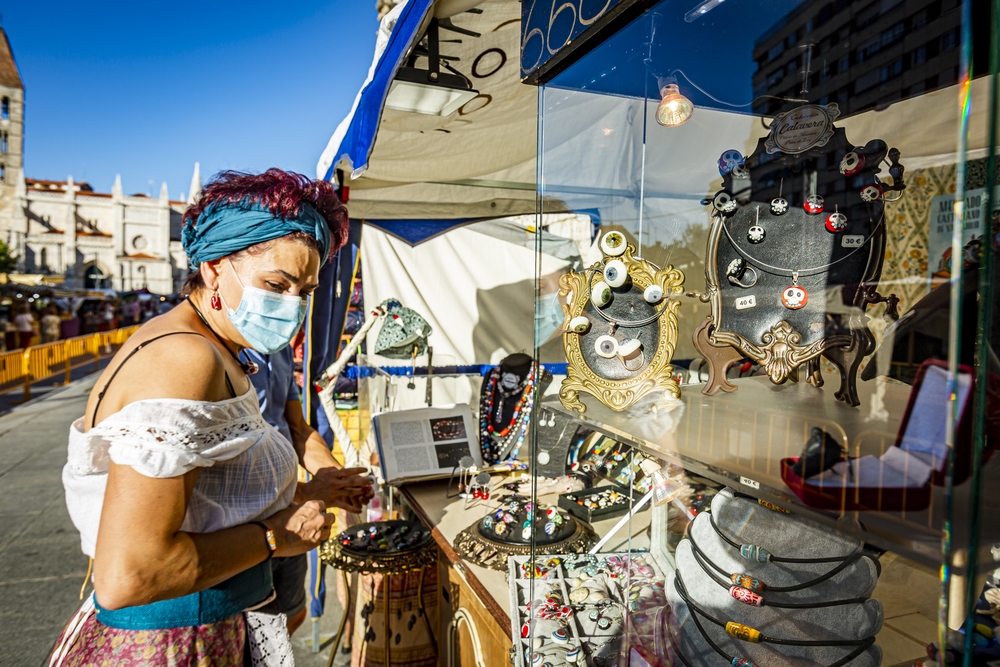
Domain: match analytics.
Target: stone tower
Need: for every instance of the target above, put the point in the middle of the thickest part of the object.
(11, 139)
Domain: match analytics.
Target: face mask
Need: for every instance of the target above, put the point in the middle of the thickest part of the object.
(267, 321)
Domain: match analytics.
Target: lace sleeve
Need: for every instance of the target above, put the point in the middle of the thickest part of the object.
(169, 437)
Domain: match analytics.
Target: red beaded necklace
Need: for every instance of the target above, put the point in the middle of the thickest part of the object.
(491, 398)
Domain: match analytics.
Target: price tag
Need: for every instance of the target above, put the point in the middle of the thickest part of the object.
(746, 481)
(745, 302)
(852, 241)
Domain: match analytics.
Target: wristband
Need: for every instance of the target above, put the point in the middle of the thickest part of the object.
(272, 543)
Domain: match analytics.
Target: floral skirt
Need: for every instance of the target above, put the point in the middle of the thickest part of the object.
(214, 645)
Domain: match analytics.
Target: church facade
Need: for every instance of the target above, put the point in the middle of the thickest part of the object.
(64, 228)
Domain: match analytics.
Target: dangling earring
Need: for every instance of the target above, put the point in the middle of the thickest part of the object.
(215, 301)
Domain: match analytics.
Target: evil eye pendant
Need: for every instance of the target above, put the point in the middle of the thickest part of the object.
(871, 193)
(600, 294)
(836, 222)
(852, 163)
(756, 234)
(794, 297)
(653, 294)
(615, 273)
(779, 206)
(579, 324)
(613, 244)
(813, 205)
(606, 347)
(724, 202)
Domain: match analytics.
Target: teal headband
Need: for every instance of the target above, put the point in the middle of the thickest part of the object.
(225, 228)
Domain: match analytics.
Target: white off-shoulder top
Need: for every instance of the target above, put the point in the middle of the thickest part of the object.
(249, 469)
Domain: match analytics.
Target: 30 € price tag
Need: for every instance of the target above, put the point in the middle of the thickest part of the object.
(745, 302)
(852, 241)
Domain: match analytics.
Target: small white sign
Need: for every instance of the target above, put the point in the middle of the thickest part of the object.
(852, 241)
(745, 302)
(746, 481)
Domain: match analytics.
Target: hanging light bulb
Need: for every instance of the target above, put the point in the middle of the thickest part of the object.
(674, 109)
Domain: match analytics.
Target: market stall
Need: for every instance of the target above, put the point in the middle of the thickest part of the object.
(773, 358)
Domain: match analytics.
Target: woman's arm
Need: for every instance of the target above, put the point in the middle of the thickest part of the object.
(143, 556)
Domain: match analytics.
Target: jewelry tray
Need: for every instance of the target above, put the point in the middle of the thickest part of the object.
(635, 624)
(567, 501)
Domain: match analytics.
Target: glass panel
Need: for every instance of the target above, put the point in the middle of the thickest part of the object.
(776, 360)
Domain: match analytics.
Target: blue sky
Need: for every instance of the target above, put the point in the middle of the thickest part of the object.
(146, 90)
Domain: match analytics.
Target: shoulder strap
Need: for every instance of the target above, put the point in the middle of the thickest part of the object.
(100, 396)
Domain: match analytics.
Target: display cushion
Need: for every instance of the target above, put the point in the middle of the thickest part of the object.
(784, 535)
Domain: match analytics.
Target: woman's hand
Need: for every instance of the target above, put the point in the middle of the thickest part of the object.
(343, 488)
(299, 529)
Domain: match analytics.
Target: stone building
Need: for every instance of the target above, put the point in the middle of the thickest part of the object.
(125, 242)
(92, 239)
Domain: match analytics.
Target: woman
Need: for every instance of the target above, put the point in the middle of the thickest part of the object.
(25, 322)
(180, 489)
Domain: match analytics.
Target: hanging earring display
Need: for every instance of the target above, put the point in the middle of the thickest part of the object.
(871, 193)
(724, 202)
(836, 222)
(637, 300)
(852, 163)
(615, 273)
(779, 205)
(813, 204)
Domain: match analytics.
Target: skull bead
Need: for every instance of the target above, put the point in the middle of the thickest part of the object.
(730, 160)
(724, 202)
(852, 163)
(872, 192)
(779, 206)
(756, 234)
(794, 297)
(836, 222)
(813, 205)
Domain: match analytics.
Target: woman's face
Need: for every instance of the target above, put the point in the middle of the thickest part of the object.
(285, 266)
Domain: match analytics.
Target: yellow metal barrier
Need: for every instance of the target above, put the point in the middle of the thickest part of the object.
(39, 362)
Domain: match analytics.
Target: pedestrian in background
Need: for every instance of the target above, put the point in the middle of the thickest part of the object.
(25, 323)
(51, 324)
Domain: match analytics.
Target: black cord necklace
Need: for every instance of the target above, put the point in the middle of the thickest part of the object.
(756, 585)
(249, 367)
(753, 635)
(747, 596)
(734, 661)
(757, 554)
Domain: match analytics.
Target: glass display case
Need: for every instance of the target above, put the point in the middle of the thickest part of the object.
(774, 373)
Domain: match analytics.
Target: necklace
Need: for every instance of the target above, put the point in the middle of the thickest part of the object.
(753, 635)
(757, 586)
(614, 320)
(249, 367)
(736, 661)
(754, 553)
(801, 272)
(496, 445)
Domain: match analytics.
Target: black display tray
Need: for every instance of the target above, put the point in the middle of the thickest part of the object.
(389, 530)
(584, 513)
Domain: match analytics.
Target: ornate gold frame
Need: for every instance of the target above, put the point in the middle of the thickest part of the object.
(621, 394)
(778, 352)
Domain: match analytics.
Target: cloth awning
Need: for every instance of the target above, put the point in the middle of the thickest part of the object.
(477, 163)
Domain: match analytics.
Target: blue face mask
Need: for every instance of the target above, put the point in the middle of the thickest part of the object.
(267, 321)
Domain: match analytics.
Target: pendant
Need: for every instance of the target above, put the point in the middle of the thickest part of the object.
(813, 205)
(794, 297)
(250, 367)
